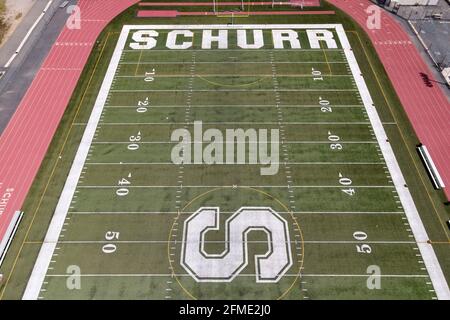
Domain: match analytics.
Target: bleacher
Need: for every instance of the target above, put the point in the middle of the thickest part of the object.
(9, 235)
(431, 168)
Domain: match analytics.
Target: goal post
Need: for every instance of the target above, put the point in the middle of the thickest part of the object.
(242, 10)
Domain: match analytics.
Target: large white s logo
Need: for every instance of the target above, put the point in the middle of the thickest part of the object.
(224, 267)
(144, 40)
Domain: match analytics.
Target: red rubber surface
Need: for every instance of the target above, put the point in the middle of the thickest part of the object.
(428, 108)
(25, 140)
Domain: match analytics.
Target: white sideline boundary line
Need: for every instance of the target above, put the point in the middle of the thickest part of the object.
(36, 280)
(426, 250)
(41, 266)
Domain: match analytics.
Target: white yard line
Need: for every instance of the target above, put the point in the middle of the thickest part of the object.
(241, 50)
(232, 90)
(234, 75)
(232, 62)
(234, 164)
(232, 123)
(238, 142)
(238, 106)
(189, 213)
(222, 242)
(432, 264)
(284, 123)
(45, 255)
(231, 186)
(139, 275)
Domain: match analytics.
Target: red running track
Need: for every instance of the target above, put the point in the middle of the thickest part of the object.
(25, 140)
(428, 108)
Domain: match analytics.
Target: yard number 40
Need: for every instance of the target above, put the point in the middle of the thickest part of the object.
(346, 182)
(123, 185)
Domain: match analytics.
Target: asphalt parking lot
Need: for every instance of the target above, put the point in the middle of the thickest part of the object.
(436, 34)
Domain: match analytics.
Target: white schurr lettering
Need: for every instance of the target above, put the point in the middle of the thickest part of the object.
(239, 38)
(315, 36)
(221, 38)
(258, 39)
(224, 267)
(282, 36)
(173, 37)
(235, 145)
(144, 39)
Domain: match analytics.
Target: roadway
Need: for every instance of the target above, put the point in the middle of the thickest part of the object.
(23, 69)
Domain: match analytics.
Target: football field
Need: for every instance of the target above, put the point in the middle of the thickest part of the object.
(121, 224)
